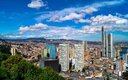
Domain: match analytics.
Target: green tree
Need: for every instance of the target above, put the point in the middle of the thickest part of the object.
(20, 69)
(49, 74)
(11, 61)
(5, 49)
(24, 71)
(4, 52)
(3, 56)
(3, 74)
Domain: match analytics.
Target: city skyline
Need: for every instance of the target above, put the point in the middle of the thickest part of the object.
(55, 19)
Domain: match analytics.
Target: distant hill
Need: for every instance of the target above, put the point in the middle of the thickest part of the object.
(27, 39)
(2, 41)
(56, 41)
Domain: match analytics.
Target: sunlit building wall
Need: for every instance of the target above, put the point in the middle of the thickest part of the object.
(45, 52)
(13, 51)
(79, 57)
(64, 56)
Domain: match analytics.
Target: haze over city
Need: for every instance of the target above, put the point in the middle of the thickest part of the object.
(63, 19)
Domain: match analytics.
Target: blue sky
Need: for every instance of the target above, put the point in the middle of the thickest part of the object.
(64, 19)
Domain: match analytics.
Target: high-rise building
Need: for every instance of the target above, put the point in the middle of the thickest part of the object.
(123, 53)
(45, 52)
(106, 46)
(127, 59)
(13, 50)
(64, 56)
(71, 51)
(103, 42)
(52, 50)
(49, 51)
(85, 45)
(79, 57)
(48, 57)
(110, 46)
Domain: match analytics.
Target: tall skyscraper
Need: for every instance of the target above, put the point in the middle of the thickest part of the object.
(64, 56)
(110, 46)
(127, 59)
(79, 57)
(103, 42)
(106, 46)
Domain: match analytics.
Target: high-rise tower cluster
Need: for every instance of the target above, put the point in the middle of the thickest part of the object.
(107, 44)
(71, 58)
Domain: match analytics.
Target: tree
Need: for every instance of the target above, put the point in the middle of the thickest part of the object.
(4, 52)
(11, 61)
(20, 69)
(3, 56)
(49, 74)
(3, 74)
(5, 49)
(25, 71)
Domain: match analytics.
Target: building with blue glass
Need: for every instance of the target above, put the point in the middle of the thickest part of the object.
(123, 54)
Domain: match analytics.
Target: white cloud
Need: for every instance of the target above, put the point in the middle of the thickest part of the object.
(121, 21)
(52, 32)
(108, 19)
(65, 14)
(83, 21)
(55, 32)
(71, 16)
(33, 28)
(90, 29)
(110, 22)
(89, 10)
(36, 4)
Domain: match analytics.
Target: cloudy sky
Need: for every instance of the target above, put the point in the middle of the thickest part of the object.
(64, 19)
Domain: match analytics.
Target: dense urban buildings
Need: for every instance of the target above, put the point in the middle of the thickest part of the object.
(64, 40)
(77, 59)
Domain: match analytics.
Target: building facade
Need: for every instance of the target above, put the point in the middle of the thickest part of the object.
(79, 57)
(110, 46)
(64, 56)
(13, 50)
(103, 42)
